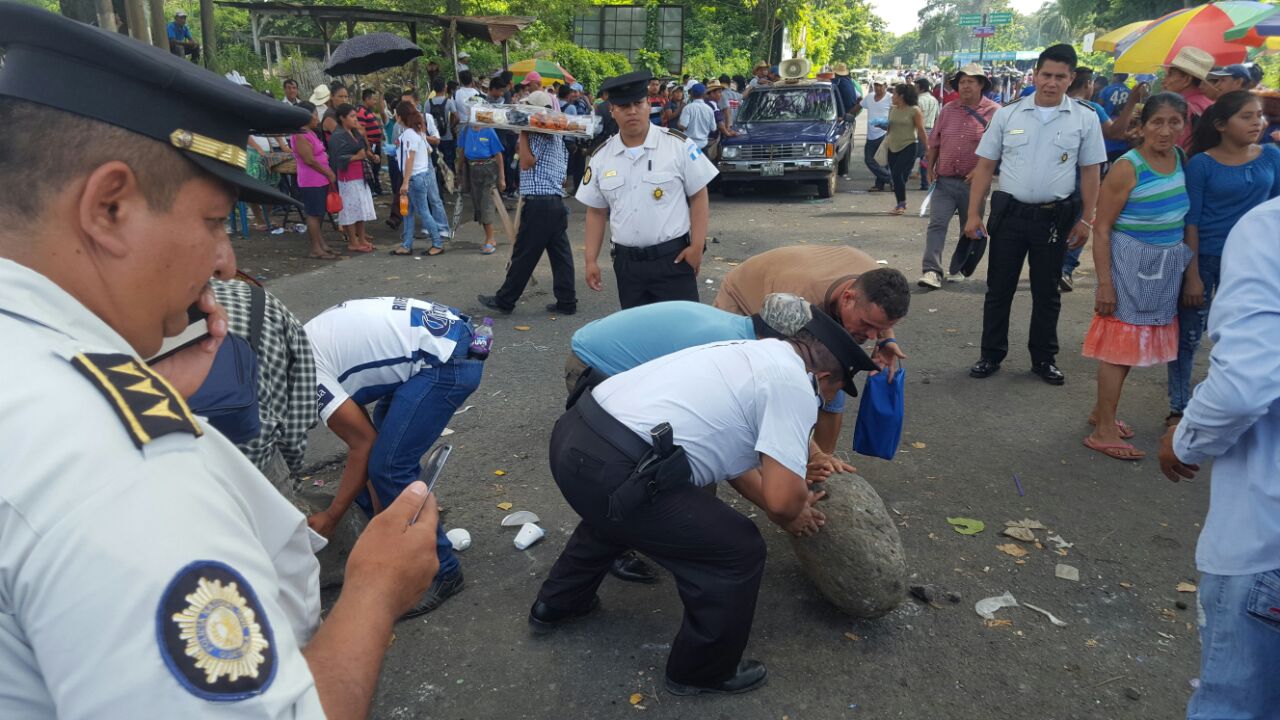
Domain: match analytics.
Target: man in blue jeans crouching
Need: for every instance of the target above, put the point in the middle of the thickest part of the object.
(410, 356)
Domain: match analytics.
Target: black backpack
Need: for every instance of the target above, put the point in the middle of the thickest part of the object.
(440, 112)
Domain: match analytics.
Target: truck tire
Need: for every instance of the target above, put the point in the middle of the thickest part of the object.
(827, 188)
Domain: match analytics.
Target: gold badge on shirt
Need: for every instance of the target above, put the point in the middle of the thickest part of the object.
(1064, 158)
(657, 193)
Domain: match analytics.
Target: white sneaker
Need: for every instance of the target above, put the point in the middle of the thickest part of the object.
(930, 279)
(956, 277)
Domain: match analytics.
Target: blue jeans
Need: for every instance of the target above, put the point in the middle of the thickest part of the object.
(1071, 260)
(425, 204)
(1191, 325)
(409, 422)
(878, 171)
(1239, 619)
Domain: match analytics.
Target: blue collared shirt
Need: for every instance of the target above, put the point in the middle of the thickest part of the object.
(546, 177)
(1234, 415)
(179, 32)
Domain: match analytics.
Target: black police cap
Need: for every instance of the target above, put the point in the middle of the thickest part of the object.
(627, 88)
(841, 344)
(112, 78)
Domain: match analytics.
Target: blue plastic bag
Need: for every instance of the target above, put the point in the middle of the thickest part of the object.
(881, 415)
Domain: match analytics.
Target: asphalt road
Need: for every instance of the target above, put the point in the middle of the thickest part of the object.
(1127, 651)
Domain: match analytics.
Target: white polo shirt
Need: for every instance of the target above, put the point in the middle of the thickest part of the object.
(365, 349)
(727, 404)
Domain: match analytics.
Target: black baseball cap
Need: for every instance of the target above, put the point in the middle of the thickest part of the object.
(114, 79)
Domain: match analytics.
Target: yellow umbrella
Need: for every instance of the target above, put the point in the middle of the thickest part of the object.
(1108, 42)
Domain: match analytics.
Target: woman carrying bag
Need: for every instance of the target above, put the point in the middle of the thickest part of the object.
(314, 177)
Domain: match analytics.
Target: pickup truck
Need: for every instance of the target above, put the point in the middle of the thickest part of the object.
(788, 131)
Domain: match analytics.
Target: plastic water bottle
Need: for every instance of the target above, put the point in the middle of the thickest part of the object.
(482, 341)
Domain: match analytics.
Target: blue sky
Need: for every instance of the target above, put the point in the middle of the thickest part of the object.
(901, 15)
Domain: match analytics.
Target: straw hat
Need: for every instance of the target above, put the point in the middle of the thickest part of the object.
(539, 98)
(714, 85)
(759, 65)
(840, 69)
(1193, 61)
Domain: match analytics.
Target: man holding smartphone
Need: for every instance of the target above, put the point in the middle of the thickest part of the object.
(137, 540)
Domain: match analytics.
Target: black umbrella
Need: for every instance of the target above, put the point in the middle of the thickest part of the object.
(364, 54)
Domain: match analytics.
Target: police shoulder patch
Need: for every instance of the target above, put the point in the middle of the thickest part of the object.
(586, 177)
(145, 402)
(213, 634)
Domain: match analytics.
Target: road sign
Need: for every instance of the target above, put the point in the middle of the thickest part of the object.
(971, 20)
(999, 18)
(984, 31)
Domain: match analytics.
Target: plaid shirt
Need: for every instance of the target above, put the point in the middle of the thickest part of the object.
(552, 162)
(286, 376)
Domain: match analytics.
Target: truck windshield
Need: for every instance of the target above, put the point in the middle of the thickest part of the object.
(783, 104)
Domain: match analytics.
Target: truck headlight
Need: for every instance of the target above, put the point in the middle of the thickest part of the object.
(816, 150)
(730, 152)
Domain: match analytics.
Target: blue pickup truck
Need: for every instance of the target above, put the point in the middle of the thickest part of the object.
(790, 132)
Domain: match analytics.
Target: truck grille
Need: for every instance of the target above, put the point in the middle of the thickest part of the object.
(771, 152)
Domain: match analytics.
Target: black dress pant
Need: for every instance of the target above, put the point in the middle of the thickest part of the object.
(715, 553)
(643, 282)
(1037, 235)
(544, 225)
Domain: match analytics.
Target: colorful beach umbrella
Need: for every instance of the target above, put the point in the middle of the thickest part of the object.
(1108, 42)
(1202, 27)
(550, 71)
(1261, 28)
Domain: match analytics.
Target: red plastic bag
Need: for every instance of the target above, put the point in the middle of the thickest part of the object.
(333, 201)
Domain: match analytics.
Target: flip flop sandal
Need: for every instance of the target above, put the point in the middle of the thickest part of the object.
(1126, 432)
(433, 251)
(326, 256)
(1113, 450)
(406, 253)
(488, 249)
(361, 249)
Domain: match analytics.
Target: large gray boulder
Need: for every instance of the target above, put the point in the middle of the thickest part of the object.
(856, 560)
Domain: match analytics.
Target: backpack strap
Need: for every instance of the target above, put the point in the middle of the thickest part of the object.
(257, 313)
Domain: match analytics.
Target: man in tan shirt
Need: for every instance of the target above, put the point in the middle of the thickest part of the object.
(843, 281)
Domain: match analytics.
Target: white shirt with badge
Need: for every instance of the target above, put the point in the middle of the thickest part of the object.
(365, 349)
(727, 403)
(145, 562)
(1039, 148)
(646, 188)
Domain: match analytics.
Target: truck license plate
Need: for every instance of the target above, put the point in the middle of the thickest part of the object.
(771, 169)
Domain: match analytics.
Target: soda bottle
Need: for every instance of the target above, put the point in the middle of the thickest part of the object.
(482, 341)
(404, 205)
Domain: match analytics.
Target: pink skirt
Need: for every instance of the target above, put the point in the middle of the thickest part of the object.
(1119, 343)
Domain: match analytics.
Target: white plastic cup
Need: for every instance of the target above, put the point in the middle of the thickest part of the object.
(528, 535)
(460, 538)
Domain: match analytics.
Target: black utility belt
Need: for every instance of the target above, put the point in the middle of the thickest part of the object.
(654, 252)
(541, 198)
(1018, 208)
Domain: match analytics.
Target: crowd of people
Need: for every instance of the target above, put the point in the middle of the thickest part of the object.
(111, 245)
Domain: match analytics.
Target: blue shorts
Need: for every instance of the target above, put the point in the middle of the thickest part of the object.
(313, 200)
(836, 406)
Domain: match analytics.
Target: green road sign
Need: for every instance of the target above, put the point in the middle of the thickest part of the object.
(971, 20)
(999, 18)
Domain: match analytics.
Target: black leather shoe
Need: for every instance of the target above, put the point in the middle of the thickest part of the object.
(630, 568)
(442, 588)
(984, 368)
(543, 618)
(558, 310)
(1049, 373)
(491, 302)
(751, 675)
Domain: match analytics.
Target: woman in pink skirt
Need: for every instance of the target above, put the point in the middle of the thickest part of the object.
(1140, 255)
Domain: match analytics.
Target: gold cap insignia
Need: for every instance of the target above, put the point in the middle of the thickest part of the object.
(214, 636)
(210, 148)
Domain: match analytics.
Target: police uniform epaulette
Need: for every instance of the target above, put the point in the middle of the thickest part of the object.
(1084, 104)
(145, 402)
(677, 134)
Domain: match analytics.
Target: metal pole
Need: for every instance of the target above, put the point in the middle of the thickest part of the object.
(453, 48)
(207, 35)
(253, 29)
(107, 16)
(982, 41)
(159, 31)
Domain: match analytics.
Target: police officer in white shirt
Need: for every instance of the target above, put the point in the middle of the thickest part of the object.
(147, 569)
(631, 455)
(411, 358)
(649, 184)
(1043, 142)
